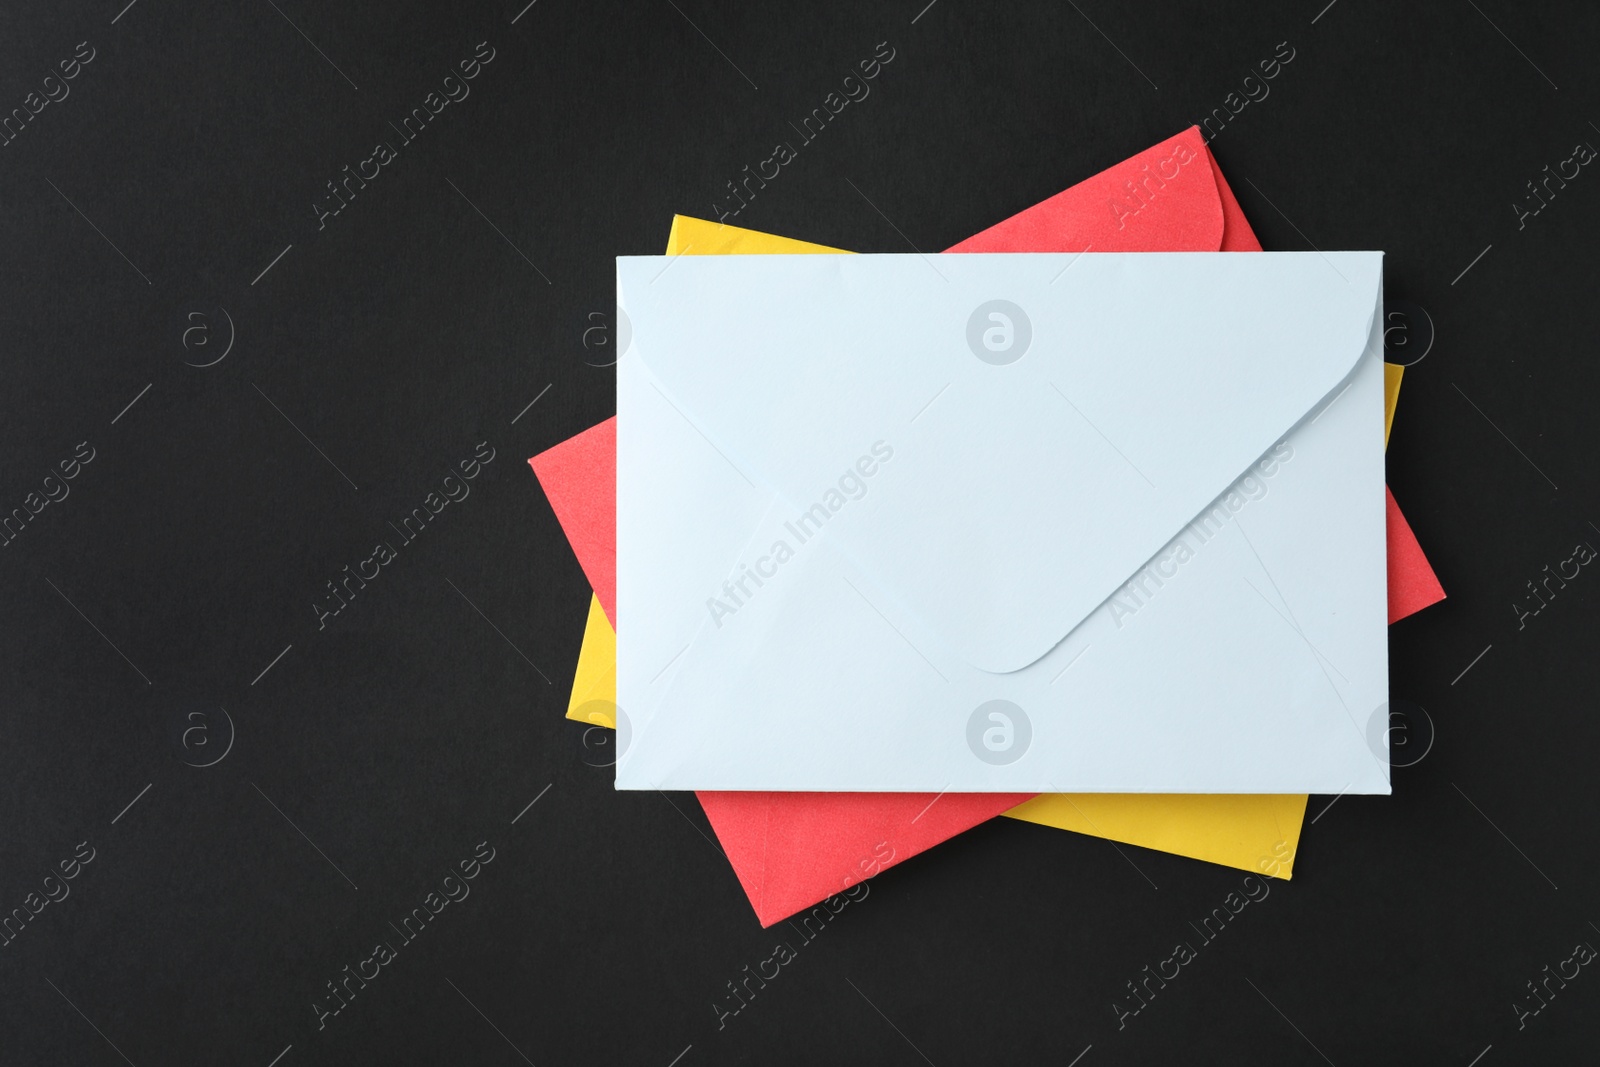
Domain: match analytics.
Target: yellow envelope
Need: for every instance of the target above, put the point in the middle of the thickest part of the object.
(1392, 373)
(594, 687)
(1253, 832)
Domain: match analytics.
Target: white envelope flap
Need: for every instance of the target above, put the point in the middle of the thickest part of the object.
(999, 440)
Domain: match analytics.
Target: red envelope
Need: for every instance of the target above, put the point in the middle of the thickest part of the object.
(1412, 583)
(793, 850)
(579, 477)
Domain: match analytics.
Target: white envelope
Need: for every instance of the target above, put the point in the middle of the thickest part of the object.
(1002, 523)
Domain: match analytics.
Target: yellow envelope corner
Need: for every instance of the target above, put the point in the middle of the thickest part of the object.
(692, 236)
(1259, 833)
(1392, 373)
(594, 686)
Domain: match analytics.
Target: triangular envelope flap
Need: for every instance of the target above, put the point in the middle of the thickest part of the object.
(999, 441)
(1165, 199)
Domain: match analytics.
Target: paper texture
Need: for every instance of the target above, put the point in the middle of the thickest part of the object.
(788, 525)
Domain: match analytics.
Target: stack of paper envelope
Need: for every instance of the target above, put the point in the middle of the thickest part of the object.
(898, 542)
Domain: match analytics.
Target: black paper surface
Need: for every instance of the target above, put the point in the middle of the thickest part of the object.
(254, 376)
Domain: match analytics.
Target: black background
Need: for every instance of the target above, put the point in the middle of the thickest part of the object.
(428, 714)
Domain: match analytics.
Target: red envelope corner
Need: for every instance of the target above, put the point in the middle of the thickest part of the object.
(1412, 583)
(579, 477)
(793, 850)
